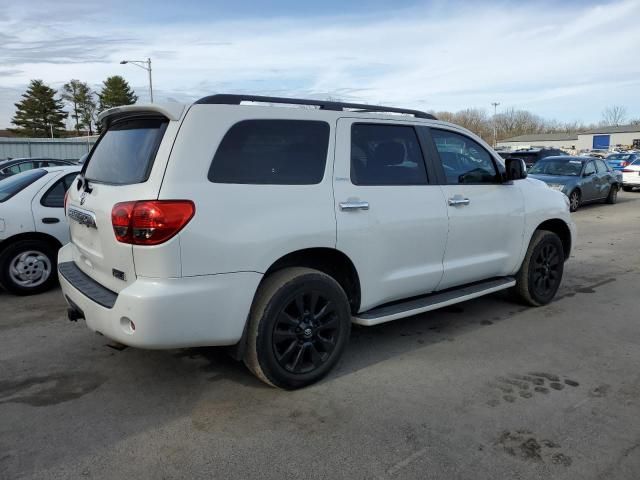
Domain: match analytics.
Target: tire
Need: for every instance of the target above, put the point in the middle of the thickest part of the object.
(574, 200)
(613, 195)
(28, 267)
(539, 277)
(627, 189)
(287, 347)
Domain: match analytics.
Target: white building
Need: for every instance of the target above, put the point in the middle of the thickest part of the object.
(598, 138)
(565, 141)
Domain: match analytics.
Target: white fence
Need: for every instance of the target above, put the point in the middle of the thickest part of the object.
(62, 148)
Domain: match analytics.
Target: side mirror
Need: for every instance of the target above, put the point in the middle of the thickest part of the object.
(516, 169)
(588, 174)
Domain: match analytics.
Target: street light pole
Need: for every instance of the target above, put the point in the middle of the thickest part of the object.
(146, 65)
(495, 132)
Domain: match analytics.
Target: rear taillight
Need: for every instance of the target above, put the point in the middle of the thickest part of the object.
(624, 164)
(150, 222)
(66, 197)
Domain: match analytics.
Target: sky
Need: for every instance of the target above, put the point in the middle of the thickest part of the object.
(563, 60)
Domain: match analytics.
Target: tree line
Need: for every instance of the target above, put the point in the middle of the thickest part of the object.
(41, 111)
(512, 122)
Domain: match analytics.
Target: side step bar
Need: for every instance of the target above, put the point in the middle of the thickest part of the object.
(433, 301)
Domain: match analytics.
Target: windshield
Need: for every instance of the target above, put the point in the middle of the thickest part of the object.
(16, 183)
(125, 153)
(557, 167)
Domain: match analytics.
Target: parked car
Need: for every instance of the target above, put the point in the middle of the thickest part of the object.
(17, 165)
(271, 229)
(582, 179)
(596, 153)
(532, 155)
(618, 161)
(631, 176)
(33, 227)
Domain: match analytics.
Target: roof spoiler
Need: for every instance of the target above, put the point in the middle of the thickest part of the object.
(172, 111)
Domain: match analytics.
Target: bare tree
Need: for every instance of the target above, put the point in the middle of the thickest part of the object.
(614, 115)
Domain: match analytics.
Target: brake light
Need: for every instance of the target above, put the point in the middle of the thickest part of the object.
(624, 163)
(150, 222)
(66, 197)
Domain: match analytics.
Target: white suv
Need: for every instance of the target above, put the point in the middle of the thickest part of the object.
(272, 226)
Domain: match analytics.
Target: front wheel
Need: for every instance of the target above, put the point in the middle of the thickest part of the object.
(574, 200)
(613, 195)
(539, 277)
(299, 326)
(28, 267)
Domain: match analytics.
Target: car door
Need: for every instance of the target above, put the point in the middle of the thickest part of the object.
(605, 178)
(391, 214)
(590, 182)
(48, 207)
(486, 215)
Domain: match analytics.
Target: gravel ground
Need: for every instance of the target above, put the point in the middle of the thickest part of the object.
(486, 389)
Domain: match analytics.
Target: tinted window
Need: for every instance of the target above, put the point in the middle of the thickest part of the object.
(590, 169)
(386, 155)
(562, 167)
(55, 196)
(464, 160)
(20, 167)
(272, 152)
(15, 184)
(601, 166)
(125, 153)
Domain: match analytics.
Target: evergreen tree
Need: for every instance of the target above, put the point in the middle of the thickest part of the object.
(39, 114)
(115, 92)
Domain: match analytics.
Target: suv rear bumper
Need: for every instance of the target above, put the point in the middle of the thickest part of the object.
(169, 312)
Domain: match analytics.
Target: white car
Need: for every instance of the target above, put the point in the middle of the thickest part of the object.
(33, 227)
(271, 228)
(631, 176)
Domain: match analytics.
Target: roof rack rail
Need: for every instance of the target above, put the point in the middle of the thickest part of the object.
(228, 99)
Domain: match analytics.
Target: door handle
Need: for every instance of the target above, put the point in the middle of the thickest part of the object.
(50, 220)
(349, 206)
(454, 202)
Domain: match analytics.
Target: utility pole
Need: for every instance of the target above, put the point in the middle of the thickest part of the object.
(495, 131)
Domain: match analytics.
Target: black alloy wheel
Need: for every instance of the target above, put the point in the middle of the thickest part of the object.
(547, 271)
(305, 333)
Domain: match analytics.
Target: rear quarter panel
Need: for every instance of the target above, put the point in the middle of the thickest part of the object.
(239, 227)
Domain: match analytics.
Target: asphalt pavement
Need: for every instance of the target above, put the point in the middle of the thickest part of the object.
(487, 389)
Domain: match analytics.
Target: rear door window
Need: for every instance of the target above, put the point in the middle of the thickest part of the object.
(55, 196)
(272, 152)
(384, 154)
(16, 183)
(125, 153)
(601, 166)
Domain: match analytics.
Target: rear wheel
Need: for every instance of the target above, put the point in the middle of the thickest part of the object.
(574, 200)
(539, 277)
(613, 195)
(28, 267)
(299, 326)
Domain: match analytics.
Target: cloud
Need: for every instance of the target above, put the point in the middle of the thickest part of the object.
(562, 60)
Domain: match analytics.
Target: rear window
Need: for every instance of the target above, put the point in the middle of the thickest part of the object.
(16, 183)
(125, 153)
(272, 152)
